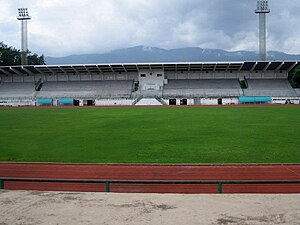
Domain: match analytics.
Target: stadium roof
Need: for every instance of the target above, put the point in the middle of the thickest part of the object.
(135, 67)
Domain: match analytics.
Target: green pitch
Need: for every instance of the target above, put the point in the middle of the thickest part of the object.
(151, 135)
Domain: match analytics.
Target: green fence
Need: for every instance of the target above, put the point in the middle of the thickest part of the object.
(109, 182)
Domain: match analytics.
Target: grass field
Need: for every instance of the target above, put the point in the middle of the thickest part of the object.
(151, 135)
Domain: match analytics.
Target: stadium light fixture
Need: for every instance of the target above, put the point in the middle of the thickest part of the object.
(262, 9)
(23, 17)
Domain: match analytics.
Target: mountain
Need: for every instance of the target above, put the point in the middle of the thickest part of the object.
(140, 54)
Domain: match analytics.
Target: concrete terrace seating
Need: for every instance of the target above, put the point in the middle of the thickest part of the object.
(269, 87)
(86, 89)
(18, 90)
(202, 88)
(297, 90)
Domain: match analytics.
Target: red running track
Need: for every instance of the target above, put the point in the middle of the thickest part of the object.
(152, 172)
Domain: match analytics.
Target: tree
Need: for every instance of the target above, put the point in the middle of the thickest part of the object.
(10, 56)
(35, 59)
(294, 77)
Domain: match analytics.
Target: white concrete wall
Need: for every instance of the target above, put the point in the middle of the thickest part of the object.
(151, 80)
(209, 101)
(37, 77)
(282, 75)
(233, 75)
(214, 101)
(280, 100)
(17, 78)
(97, 77)
(255, 75)
(55, 102)
(109, 77)
(62, 77)
(6, 78)
(148, 101)
(230, 101)
(182, 76)
(81, 102)
(28, 78)
(16, 103)
(86, 77)
(170, 75)
(269, 75)
(194, 76)
(51, 77)
(107, 102)
(264, 75)
(121, 76)
(190, 101)
(133, 76)
(74, 77)
(219, 75)
(208, 75)
(203, 75)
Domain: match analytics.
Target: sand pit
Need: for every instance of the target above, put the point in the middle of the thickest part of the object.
(33, 207)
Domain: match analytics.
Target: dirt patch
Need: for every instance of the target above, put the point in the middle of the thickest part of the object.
(270, 219)
(146, 207)
(28, 208)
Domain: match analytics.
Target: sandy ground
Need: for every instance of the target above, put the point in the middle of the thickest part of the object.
(33, 207)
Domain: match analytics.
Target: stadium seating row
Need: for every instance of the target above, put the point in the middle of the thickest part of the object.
(17, 90)
(202, 88)
(172, 89)
(86, 89)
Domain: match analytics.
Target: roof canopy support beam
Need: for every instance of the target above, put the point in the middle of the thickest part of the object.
(4, 71)
(292, 67)
(266, 67)
(16, 71)
(253, 67)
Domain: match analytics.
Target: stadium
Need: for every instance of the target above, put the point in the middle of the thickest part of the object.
(155, 134)
(149, 84)
(61, 102)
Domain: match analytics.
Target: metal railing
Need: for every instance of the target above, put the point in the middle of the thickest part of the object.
(109, 182)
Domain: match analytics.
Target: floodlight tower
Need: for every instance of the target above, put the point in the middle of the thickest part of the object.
(262, 10)
(24, 16)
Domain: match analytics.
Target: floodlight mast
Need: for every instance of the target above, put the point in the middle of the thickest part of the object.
(262, 10)
(24, 16)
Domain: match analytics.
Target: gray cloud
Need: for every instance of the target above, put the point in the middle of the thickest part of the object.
(93, 26)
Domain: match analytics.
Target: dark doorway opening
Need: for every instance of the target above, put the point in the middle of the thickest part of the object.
(220, 101)
(90, 102)
(76, 102)
(183, 102)
(172, 101)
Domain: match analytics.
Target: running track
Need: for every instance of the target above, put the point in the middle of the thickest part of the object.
(152, 172)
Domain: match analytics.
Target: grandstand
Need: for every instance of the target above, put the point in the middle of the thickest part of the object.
(86, 89)
(297, 90)
(14, 90)
(202, 88)
(153, 83)
(270, 87)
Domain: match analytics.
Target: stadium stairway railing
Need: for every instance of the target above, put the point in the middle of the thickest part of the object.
(38, 85)
(161, 101)
(137, 99)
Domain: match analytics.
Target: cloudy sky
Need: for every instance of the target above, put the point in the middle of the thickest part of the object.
(64, 27)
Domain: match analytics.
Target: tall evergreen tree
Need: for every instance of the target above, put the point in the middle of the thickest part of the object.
(10, 56)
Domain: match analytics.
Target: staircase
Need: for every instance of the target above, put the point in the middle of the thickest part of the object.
(137, 99)
(243, 83)
(161, 101)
